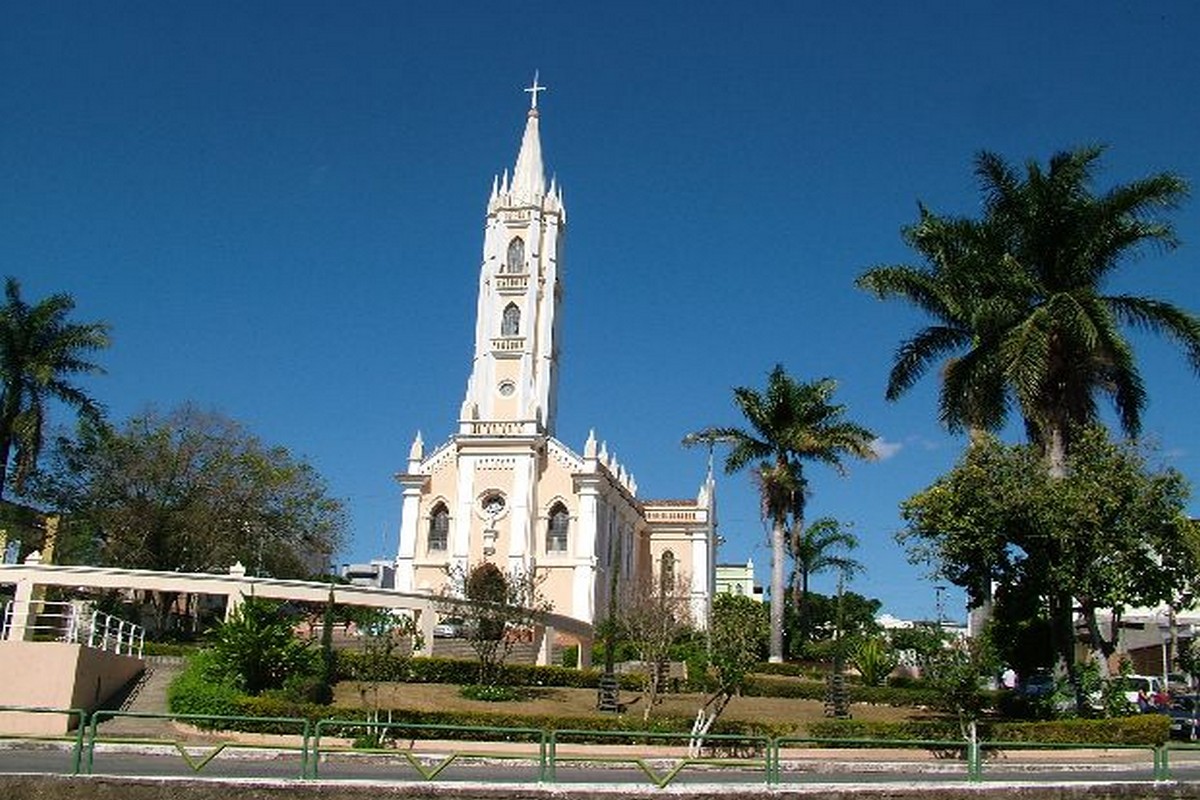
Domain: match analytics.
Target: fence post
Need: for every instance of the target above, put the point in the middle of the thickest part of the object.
(1162, 770)
(974, 767)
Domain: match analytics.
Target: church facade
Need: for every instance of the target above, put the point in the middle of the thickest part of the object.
(503, 488)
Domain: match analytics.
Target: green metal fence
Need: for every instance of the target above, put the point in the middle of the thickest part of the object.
(300, 728)
(425, 767)
(76, 718)
(660, 758)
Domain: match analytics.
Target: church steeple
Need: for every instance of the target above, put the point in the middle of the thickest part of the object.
(529, 180)
(513, 384)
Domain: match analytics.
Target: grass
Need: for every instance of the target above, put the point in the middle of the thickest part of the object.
(566, 702)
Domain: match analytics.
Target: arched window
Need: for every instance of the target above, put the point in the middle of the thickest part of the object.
(556, 534)
(666, 575)
(516, 255)
(511, 325)
(439, 528)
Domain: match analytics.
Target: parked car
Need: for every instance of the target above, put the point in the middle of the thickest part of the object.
(1039, 684)
(449, 628)
(1185, 717)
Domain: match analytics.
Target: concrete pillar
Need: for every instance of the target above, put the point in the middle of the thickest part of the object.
(426, 619)
(23, 601)
(585, 652)
(237, 592)
(544, 636)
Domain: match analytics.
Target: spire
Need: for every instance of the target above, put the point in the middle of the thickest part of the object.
(529, 179)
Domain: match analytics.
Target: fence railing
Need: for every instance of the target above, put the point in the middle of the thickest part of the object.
(76, 623)
(657, 758)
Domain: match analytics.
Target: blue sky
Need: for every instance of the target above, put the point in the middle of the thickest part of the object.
(279, 207)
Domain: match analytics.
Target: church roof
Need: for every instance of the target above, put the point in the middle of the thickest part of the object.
(670, 502)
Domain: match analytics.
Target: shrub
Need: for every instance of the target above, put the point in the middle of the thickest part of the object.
(1146, 729)
(257, 649)
(488, 693)
(198, 689)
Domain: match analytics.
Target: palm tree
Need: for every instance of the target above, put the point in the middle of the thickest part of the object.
(815, 549)
(40, 350)
(790, 423)
(1018, 299)
(960, 288)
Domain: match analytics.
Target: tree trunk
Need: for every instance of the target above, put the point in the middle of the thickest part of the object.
(1056, 452)
(777, 564)
(5, 450)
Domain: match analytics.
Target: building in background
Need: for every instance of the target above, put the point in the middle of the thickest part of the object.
(738, 579)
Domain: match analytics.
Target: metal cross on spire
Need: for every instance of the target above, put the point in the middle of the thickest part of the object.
(533, 91)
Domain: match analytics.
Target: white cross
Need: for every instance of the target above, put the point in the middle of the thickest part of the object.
(533, 91)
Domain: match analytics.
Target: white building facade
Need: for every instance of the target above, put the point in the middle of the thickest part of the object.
(503, 489)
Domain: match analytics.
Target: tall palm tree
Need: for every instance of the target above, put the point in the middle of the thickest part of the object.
(789, 424)
(40, 351)
(1019, 303)
(961, 289)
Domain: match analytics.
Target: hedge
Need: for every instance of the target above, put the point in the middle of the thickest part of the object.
(1144, 729)
(764, 686)
(351, 665)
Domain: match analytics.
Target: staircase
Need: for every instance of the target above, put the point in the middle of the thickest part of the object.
(147, 695)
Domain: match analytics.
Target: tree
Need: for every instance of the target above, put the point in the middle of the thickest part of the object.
(813, 635)
(1018, 303)
(737, 630)
(790, 423)
(190, 492)
(41, 351)
(1107, 534)
(814, 550)
(194, 492)
(651, 615)
(502, 607)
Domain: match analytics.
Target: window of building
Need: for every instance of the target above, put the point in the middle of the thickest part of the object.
(516, 255)
(511, 325)
(556, 535)
(666, 573)
(439, 528)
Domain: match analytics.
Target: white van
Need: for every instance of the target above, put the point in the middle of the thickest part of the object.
(1152, 685)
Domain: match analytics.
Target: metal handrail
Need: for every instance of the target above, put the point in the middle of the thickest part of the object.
(65, 621)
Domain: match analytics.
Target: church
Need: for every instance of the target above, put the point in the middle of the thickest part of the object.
(503, 488)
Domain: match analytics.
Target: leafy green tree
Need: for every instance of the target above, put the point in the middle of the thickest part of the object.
(789, 424)
(1018, 304)
(738, 629)
(41, 351)
(258, 649)
(193, 492)
(959, 671)
(814, 634)
(1108, 534)
(381, 657)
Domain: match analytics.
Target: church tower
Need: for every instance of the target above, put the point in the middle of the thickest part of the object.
(513, 383)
